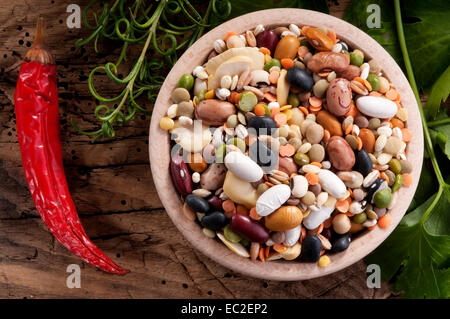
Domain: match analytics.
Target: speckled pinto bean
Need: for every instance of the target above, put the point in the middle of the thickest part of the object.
(339, 97)
(302, 145)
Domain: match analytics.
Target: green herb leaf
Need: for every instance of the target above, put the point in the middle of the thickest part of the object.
(441, 137)
(240, 7)
(439, 93)
(426, 28)
(357, 14)
(426, 188)
(422, 246)
(427, 32)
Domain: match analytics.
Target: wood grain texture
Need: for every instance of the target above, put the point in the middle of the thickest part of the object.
(113, 190)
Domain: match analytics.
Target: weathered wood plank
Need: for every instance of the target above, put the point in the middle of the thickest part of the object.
(113, 190)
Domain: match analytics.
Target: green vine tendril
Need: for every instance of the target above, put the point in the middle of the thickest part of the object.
(164, 28)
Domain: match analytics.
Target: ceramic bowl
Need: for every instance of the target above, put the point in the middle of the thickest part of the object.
(159, 147)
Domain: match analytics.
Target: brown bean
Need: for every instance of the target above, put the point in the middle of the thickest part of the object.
(330, 123)
(214, 112)
(339, 97)
(287, 165)
(328, 61)
(340, 154)
(318, 39)
(349, 73)
(284, 218)
(213, 177)
(368, 139)
(287, 48)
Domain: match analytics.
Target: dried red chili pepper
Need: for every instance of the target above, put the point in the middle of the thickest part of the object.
(37, 117)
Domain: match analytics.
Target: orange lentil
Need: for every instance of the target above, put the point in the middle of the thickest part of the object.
(406, 135)
(384, 221)
(349, 214)
(332, 35)
(326, 136)
(375, 93)
(343, 205)
(319, 229)
(315, 101)
(407, 179)
(287, 63)
(372, 227)
(367, 85)
(327, 222)
(323, 74)
(264, 50)
(286, 150)
(304, 28)
(384, 176)
(259, 110)
(322, 252)
(392, 94)
(280, 119)
(303, 234)
(359, 79)
(274, 111)
(353, 111)
(234, 97)
(228, 206)
(279, 248)
(302, 51)
(261, 254)
(253, 214)
(241, 209)
(270, 97)
(273, 77)
(397, 123)
(267, 252)
(316, 164)
(350, 191)
(348, 129)
(229, 34)
(304, 110)
(360, 144)
(312, 178)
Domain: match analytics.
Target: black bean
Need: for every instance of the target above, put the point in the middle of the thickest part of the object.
(300, 79)
(341, 243)
(262, 125)
(214, 221)
(364, 164)
(197, 204)
(260, 153)
(372, 189)
(311, 248)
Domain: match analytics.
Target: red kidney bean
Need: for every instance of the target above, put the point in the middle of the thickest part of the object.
(248, 228)
(216, 202)
(180, 175)
(267, 39)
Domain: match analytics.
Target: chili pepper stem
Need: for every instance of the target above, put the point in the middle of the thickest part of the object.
(38, 51)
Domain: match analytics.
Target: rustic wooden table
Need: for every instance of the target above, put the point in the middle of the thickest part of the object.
(113, 190)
